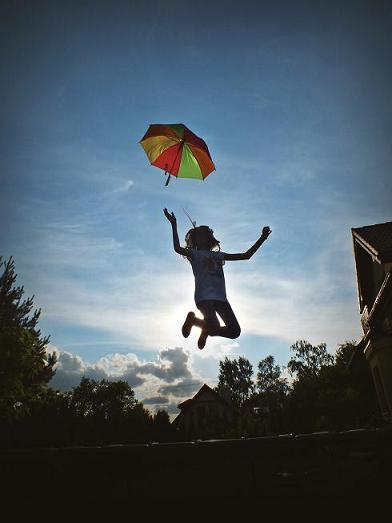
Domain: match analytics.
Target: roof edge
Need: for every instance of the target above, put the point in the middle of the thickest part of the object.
(371, 250)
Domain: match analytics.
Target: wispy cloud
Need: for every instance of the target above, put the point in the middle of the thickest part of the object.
(124, 187)
(296, 309)
(140, 305)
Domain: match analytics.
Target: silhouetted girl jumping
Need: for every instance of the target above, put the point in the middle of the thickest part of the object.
(210, 290)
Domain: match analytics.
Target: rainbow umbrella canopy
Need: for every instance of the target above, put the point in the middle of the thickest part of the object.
(178, 151)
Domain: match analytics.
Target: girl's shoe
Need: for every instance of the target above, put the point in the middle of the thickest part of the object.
(202, 339)
(188, 324)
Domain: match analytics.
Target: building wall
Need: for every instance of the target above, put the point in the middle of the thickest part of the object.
(205, 416)
(378, 351)
(379, 355)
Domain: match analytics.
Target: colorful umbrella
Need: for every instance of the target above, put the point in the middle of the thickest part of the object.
(176, 150)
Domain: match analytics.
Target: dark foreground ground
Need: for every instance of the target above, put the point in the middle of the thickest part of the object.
(354, 463)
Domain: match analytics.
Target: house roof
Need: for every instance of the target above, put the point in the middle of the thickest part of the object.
(183, 406)
(184, 403)
(204, 388)
(376, 239)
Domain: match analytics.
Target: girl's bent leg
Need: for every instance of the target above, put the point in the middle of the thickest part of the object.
(210, 322)
(209, 309)
(232, 328)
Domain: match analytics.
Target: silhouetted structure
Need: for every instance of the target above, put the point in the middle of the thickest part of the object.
(373, 258)
(207, 414)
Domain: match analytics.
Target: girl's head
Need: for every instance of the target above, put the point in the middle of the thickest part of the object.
(201, 238)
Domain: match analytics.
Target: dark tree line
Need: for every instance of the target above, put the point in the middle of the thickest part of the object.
(317, 393)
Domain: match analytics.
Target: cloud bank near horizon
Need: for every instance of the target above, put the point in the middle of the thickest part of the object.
(161, 383)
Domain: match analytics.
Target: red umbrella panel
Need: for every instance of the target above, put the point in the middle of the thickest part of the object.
(178, 151)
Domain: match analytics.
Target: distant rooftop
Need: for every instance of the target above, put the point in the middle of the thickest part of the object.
(204, 388)
(376, 239)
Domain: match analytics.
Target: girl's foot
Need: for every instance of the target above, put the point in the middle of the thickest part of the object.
(188, 324)
(202, 339)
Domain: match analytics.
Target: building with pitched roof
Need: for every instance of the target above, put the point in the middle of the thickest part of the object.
(205, 415)
(373, 260)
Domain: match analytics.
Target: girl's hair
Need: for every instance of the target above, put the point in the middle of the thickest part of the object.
(191, 238)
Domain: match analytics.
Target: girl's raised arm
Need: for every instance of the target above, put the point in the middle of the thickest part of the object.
(176, 242)
(250, 252)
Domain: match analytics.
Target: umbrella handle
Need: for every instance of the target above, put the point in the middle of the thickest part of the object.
(168, 179)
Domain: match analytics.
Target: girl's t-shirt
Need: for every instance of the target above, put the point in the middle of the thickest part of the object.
(209, 278)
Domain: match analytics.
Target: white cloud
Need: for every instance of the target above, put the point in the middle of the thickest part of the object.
(184, 388)
(165, 381)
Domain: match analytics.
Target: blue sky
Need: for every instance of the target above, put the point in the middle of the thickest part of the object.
(293, 100)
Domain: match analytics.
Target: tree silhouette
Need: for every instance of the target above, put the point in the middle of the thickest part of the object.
(25, 366)
(235, 380)
(308, 359)
(162, 429)
(107, 412)
(108, 400)
(272, 390)
(269, 377)
(325, 394)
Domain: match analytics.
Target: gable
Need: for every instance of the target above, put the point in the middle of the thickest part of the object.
(372, 250)
(206, 395)
(376, 240)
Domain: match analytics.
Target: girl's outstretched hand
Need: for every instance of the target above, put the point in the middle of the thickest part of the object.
(266, 232)
(170, 216)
